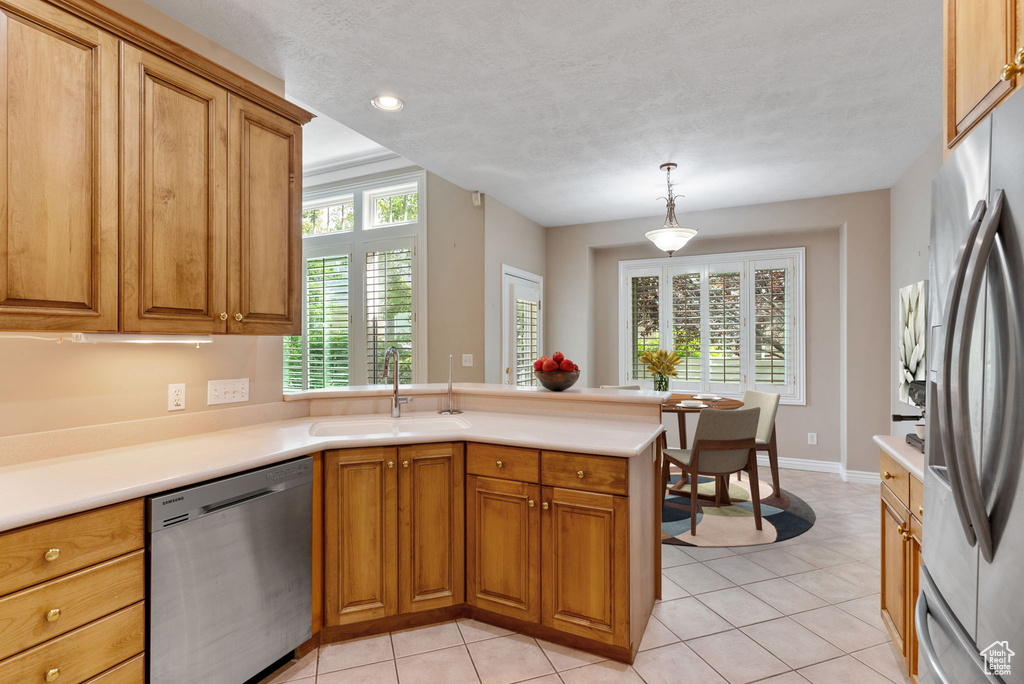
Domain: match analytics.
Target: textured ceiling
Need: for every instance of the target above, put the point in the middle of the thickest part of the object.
(563, 109)
(324, 140)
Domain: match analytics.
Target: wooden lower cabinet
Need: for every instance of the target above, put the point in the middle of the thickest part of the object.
(895, 522)
(503, 566)
(72, 598)
(431, 566)
(361, 535)
(901, 538)
(393, 528)
(585, 564)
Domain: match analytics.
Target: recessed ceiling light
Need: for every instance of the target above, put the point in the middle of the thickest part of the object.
(389, 103)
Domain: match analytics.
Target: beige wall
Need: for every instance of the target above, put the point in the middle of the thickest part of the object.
(821, 413)
(862, 223)
(514, 240)
(909, 239)
(455, 276)
(49, 386)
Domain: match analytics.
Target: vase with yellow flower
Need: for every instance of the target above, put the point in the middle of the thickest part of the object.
(662, 365)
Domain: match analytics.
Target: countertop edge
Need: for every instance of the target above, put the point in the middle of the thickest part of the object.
(581, 394)
(905, 455)
(250, 457)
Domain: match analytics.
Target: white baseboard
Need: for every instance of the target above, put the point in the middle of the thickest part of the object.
(860, 476)
(851, 476)
(801, 464)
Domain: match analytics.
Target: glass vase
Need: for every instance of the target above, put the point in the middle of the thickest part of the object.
(660, 382)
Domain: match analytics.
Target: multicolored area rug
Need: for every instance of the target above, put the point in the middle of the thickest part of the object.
(783, 517)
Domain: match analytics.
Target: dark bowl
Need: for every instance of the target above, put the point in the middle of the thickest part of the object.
(556, 381)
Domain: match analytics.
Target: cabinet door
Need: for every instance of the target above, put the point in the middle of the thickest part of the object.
(431, 514)
(264, 219)
(174, 199)
(58, 171)
(503, 547)
(980, 40)
(361, 535)
(585, 564)
(895, 523)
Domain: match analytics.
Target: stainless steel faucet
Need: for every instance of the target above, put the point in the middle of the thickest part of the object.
(396, 401)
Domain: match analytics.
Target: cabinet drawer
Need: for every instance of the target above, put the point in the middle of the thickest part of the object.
(916, 529)
(592, 473)
(129, 672)
(896, 478)
(916, 498)
(506, 463)
(73, 543)
(80, 598)
(83, 653)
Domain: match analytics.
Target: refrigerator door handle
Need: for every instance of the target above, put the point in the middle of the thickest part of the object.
(967, 466)
(942, 613)
(947, 433)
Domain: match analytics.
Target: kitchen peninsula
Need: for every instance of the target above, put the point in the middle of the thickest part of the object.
(531, 510)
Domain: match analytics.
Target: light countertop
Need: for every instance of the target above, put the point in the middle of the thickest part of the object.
(41, 490)
(906, 455)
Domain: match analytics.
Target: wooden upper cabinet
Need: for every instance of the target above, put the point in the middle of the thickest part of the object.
(981, 37)
(431, 523)
(264, 214)
(174, 200)
(361, 535)
(585, 564)
(58, 171)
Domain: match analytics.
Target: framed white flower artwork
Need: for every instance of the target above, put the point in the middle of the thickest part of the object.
(913, 336)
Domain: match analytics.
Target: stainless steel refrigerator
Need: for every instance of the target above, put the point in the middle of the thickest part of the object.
(970, 612)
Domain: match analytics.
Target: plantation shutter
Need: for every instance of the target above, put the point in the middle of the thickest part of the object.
(645, 321)
(773, 325)
(327, 328)
(389, 311)
(724, 328)
(527, 332)
(686, 330)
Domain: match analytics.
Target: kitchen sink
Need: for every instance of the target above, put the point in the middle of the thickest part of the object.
(387, 426)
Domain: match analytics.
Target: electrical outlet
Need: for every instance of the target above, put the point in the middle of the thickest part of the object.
(176, 397)
(227, 391)
(467, 359)
(812, 437)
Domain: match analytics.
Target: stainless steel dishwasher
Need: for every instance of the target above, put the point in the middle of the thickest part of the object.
(230, 575)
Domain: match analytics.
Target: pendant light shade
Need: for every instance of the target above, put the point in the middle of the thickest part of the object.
(671, 237)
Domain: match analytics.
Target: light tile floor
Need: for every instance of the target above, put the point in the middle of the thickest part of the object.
(798, 611)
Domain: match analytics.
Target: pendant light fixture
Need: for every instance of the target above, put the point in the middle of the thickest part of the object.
(670, 237)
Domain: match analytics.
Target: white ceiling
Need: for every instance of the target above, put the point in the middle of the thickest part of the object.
(328, 144)
(564, 109)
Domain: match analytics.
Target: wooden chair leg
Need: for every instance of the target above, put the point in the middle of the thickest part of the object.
(755, 495)
(692, 472)
(773, 462)
(718, 491)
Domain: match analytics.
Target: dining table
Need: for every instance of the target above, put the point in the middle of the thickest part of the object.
(672, 406)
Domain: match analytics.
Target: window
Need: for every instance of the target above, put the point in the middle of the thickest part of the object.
(521, 302)
(362, 289)
(392, 206)
(735, 320)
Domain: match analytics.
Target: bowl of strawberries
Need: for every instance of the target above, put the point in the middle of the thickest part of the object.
(557, 373)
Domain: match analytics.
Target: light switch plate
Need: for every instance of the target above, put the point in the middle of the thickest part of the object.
(176, 397)
(227, 391)
(467, 359)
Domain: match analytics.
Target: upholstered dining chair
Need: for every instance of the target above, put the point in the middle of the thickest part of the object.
(769, 405)
(632, 387)
(724, 442)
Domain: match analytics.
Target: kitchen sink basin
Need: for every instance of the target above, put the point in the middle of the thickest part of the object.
(387, 426)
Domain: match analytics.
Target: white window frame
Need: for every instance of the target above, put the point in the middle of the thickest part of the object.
(369, 199)
(356, 243)
(747, 262)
